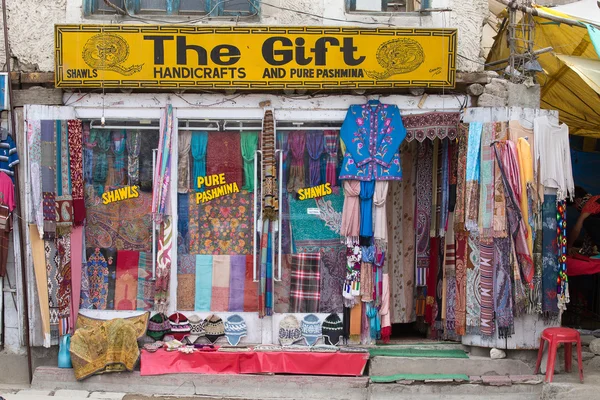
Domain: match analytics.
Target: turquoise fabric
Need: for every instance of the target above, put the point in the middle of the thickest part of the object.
(595, 36)
(199, 142)
(204, 268)
(324, 226)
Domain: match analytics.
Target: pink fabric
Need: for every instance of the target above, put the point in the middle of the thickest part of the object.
(76, 264)
(384, 311)
(351, 211)
(7, 191)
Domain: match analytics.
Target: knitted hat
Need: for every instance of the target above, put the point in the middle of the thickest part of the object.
(235, 329)
(180, 326)
(196, 329)
(332, 329)
(289, 331)
(214, 328)
(158, 326)
(311, 329)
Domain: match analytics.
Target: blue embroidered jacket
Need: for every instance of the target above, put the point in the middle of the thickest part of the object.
(372, 134)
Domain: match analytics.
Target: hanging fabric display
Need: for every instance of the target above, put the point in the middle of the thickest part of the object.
(163, 265)
(499, 218)
(199, 142)
(379, 213)
(351, 212)
(297, 143)
(64, 201)
(34, 147)
(315, 147)
(486, 182)
(75, 130)
(367, 190)
(270, 200)
(184, 144)
(162, 174)
(120, 166)
(224, 156)
(473, 284)
(461, 282)
(461, 172)
(472, 176)
(503, 306)
(562, 283)
(48, 141)
(424, 205)
(249, 145)
(331, 148)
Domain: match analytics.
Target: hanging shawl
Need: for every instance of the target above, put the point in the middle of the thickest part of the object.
(445, 187)
(297, 141)
(503, 305)
(134, 142)
(367, 288)
(224, 156)
(432, 275)
(48, 143)
(163, 265)
(436, 193)
(162, 174)
(270, 201)
(351, 210)
(315, 147)
(76, 161)
(486, 183)
(461, 282)
(34, 146)
(88, 155)
(499, 219)
(562, 285)
(472, 176)
(461, 173)
(64, 201)
(473, 283)
(100, 171)
(384, 311)
(284, 145)
(424, 204)
(379, 213)
(535, 295)
(199, 142)
(367, 190)
(332, 139)
(249, 144)
(549, 256)
(119, 145)
(183, 166)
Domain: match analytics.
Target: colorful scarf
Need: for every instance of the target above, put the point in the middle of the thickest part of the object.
(34, 147)
(270, 201)
(473, 284)
(379, 213)
(126, 285)
(220, 283)
(503, 287)
(461, 282)
(305, 283)
(351, 210)
(445, 189)
(101, 140)
(486, 286)
(297, 142)
(224, 156)
(63, 247)
(366, 273)
(76, 159)
(48, 144)
(265, 257)
(160, 187)
(249, 144)
(549, 257)
(145, 292)
(119, 145)
(52, 274)
(562, 285)
(237, 282)
(332, 139)
(431, 125)
(525, 162)
(436, 190)
(432, 278)
(472, 176)
(163, 265)
(499, 219)
(367, 190)
(184, 145)
(535, 295)
(407, 234)
(424, 205)
(204, 271)
(199, 142)
(486, 182)
(64, 201)
(315, 146)
(461, 172)
(449, 264)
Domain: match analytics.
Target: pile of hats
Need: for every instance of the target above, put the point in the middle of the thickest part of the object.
(311, 330)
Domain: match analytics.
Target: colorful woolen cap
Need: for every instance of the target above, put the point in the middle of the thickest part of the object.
(158, 326)
(332, 329)
(235, 329)
(289, 331)
(311, 329)
(214, 328)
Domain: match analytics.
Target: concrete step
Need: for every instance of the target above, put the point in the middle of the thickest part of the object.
(435, 391)
(382, 365)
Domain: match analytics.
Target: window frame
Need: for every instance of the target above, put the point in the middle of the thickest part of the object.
(213, 8)
(351, 8)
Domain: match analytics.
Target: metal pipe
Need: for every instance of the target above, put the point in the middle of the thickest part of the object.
(539, 13)
(154, 152)
(17, 210)
(535, 53)
(257, 226)
(280, 222)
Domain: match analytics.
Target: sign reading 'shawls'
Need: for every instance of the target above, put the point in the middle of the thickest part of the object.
(253, 57)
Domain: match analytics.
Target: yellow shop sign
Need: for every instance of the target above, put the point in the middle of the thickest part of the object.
(253, 58)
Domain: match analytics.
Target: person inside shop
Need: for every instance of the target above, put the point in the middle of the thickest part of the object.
(589, 219)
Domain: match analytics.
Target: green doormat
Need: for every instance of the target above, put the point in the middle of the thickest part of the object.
(418, 377)
(412, 352)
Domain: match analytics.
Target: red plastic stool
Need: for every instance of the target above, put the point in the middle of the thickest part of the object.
(555, 336)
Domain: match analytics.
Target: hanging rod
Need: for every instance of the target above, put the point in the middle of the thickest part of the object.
(147, 128)
(243, 125)
(210, 125)
(308, 128)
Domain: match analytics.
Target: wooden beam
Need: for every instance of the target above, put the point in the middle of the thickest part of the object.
(468, 78)
(38, 95)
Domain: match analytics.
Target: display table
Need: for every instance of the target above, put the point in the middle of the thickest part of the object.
(300, 363)
(580, 265)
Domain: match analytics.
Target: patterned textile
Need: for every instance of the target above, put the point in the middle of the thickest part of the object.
(463, 145)
(503, 304)
(499, 219)
(41, 281)
(461, 282)
(63, 247)
(220, 283)
(118, 146)
(400, 294)
(424, 205)
(562, 283)
(379, 213)
(99, 140)
(221, 226)
(439, 292)
(76, 160)
(163, 265)
(127, 280)
(77, 261)
(204, 271)
(312, 229)
(199, 142)
(281, 293)
(450, 277)
(431, 125)
(473, 283)
(535, 299)
(432, 275)
(305, 283)
(186, 282)
(183, 164)
(445, 189)
(486, 288)
(183, 222)
(266, 270)
(315, 146)
(486, 182)
(249, 144)
(134, 144)
(351, 210)
(126, 225)
(110, 347)
(237, 288)
(111, 260)
(549, 257)
(250, 287)
(162, 180)
(366, 281)
(436, 190)
(224, 155)
(297, 143)
(34, 147)
(472, 176)
(48, 160)
(270, 202)
(52, 274)
(145, 292)
(332, 140)
(367, 190)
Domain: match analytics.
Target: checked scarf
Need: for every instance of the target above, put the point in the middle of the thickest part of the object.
(305, 283)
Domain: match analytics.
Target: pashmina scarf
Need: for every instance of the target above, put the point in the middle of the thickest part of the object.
(332, 139)
(461, 282)
(224, 156)
(76, 160)
(486, 182)
(204, 271)
(503, 287)
(283, 144)
(499, 219)
(305, 283)
(535, 299)
(48, 141)
(379, 213)
(184, 145)
(160, 189)
(199, 142)
(424, 204)
(445, 189)
(472, 176)
(351, 210)
(525, 162)
(77, 261)
(473, 284)
(34, 146)
(440, 293)
(432, 280)
(145, 292)
(119, 145)
(297, 141)
(562, 285)
(264, 307)
(52, 274)
(163, 265)
(63, 248)
(183, 222)
(41, 281)
(461, 173)
(367, 190)
(315, 147)
(127, 280)
(520, 296)
(407, 235)
(436, 189)
(270, 201)
(449, 295)
(64, 201)
(249, 144)
(237, 283)
(220, 283)
(186, 282)
(134, 144)
(251, 287)
(100, 141)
